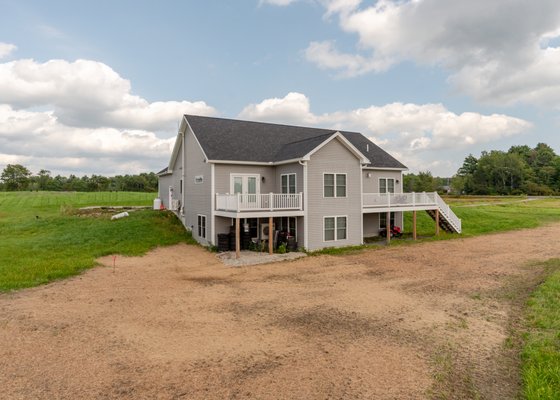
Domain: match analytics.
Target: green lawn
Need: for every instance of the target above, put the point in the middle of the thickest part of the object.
(541, 354)
(491, 218)
(44, 238)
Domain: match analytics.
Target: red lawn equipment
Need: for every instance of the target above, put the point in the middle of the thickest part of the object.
(395, 232)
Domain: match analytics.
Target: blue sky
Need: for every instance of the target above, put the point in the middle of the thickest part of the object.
(100, 87)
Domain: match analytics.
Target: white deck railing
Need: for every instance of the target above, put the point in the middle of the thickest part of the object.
(259, 202)
(408, 201)
(400, 199)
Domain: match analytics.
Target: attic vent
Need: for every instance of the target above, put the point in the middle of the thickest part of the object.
(367, 148)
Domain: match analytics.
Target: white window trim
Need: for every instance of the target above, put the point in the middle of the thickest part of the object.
(288, 177)
(335, 174)
(336, 239)
(232, 186)
(198, 226)
(386, 184)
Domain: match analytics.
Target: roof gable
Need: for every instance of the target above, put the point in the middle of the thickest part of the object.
(256, 142)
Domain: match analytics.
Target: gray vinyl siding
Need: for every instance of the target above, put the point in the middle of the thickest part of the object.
(174, 181)
(197, 196)
(371, 225)
(371, 184)
(163, 189)
(223, 172)
(299, 233)
(334, 157)
(293, 168)
(222, 225)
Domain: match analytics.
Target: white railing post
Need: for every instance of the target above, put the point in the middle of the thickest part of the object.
(270, 201)
(413, 199)
(238, 201)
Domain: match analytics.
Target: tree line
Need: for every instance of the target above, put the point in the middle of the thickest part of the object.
(520, 170)
(16, 177)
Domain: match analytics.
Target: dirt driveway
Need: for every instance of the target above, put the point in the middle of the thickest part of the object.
(406, 322)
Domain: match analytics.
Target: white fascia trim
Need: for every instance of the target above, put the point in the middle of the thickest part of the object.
(385, 169)
(175, 152)
(346, 142)
(260, 163)
(240, 162)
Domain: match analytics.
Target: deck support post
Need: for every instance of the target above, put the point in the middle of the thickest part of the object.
(270, 236)
(437, 222)
(388, 226)
(414, 225)
(237, 242)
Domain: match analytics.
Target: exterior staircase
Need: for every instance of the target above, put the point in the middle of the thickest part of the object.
(448, 221)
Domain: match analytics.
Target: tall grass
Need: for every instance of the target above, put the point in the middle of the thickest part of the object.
(43, 238)
(541, 353)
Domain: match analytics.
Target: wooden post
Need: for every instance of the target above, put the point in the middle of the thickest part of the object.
(270, 236)
(414, 225)
(437, 222)
(237, 242)
(388, 226)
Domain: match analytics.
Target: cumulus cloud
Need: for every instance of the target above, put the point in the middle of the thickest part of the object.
(88, 93)
(89, 117)
(6, 49)
(499, 52)
(404, 129)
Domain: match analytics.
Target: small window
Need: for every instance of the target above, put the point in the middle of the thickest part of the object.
(386, 185)
(335, 228)
(202, 226)
(383, 220)
(334, 185)
(289, 183)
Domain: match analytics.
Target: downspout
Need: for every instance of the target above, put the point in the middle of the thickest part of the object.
(183, 177)
(305, 206)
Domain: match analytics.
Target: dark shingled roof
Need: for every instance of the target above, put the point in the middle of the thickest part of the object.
(234, 140)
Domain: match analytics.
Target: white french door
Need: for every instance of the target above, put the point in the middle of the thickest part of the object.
(248, 186)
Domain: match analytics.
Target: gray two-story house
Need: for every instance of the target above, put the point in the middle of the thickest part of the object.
(321, 187)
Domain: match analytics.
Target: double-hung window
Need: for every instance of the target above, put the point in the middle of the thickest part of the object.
(289, 183)
(334, 185)
(386, 185)
(335, 228)
(202, 226)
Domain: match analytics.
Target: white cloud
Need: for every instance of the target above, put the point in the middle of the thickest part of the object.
(6, 49)
(87, 93)
(406, 130)
(498, 52)
(88, 113)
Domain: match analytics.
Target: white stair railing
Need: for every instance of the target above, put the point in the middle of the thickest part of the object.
(448, 214)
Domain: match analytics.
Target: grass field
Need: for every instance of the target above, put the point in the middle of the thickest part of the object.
(541, 354)
(44, 238)
(491, 218)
